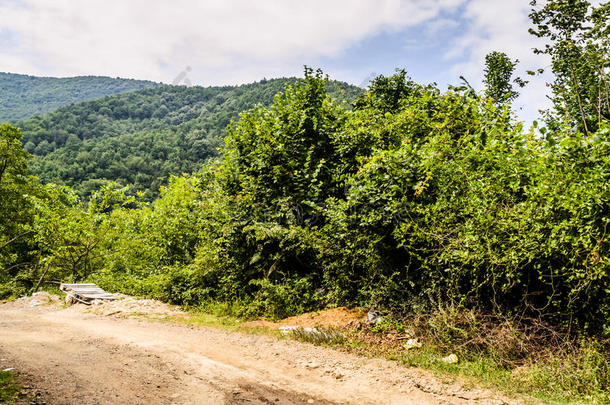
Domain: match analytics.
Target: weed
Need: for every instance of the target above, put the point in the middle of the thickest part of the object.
(518, 356)
(9, 388)
(318, 336)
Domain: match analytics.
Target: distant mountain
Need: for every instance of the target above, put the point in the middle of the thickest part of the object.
(24, 96)
(139, 138)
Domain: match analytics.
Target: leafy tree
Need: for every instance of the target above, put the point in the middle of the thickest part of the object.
(259, 203)
(577, 35)
(286, 155)
(387, 93)
(68, 236)
(16, 187)
(499, 69)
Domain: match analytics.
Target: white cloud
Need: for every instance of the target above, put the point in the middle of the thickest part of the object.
(236, 41)
(234, 38)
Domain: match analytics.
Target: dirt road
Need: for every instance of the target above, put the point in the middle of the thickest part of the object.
(73, 357)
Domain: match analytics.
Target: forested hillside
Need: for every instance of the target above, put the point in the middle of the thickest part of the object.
(23, 96)
(139, 138)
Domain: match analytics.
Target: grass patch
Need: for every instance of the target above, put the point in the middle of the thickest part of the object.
(199, 318)
(220, 315)
(548, 379)
(9, 387)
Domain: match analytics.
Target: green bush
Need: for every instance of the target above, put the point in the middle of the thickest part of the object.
(277, 301)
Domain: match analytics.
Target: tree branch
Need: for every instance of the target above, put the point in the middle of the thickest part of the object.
(14, 239)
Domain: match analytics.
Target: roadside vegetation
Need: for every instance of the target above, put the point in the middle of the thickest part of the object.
(487, 239)
(9, 388)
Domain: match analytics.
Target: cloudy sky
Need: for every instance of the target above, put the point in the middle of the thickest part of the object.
(238, 41)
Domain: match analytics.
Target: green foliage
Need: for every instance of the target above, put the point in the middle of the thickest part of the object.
(259, 202)
(16, 207)
(400, 203)
(579, 48)
(497, 76)
(278, 301)
(140, 138)
(9, 389)
(411, 198)
(67, 235)
(585, 372)
(492, 216)
(23, 96)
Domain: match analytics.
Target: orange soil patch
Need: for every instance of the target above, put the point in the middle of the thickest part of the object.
(341, 317)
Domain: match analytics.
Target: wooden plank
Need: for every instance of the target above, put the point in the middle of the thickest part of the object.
(86, 291)
(89, 294)
(79, 285)
(82, 287)
(94, 294)
(90, 291)
(87, 297)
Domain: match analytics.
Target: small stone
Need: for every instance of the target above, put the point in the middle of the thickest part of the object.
(451, 359)
(374, 317)
(412, 344)
(284, 330)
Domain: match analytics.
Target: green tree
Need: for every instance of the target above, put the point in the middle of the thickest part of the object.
(13, 159)
(264, 198)
(499, 69)
(285, 155)
(577, 36)
(16, 189)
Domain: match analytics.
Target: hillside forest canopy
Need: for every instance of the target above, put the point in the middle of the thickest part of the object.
(140, 138)
(408, 198)
(23, 96)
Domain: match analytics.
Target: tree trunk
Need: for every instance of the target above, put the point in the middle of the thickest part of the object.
(44, 273)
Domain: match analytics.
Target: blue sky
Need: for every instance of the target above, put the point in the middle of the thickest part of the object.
(238, 41)
(423, 56)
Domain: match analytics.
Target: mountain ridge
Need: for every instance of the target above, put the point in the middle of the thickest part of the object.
(23, 96)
